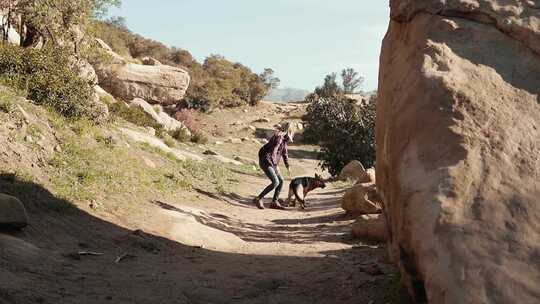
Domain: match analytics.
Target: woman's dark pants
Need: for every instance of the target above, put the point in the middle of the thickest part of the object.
(275, 178)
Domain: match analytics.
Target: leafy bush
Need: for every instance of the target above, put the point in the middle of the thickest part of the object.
(135, 115)
(6, 101)
(217, 82)
(181, 135)
(345, 130)
(199, 137)
(188, 117)
(49, 77)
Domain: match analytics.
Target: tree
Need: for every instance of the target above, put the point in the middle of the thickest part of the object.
(101, 7)
(330, 88)
(6, 22)
(269, 80)
(345, 131)
(182, 57)
(59, 22)
(351, 80)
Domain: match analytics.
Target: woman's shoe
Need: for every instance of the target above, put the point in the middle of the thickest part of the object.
(257, 201)
(277, 205)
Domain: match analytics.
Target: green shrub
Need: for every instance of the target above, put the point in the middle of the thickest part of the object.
(135, 115)
(169, 141)
(346, 132)
(49, 77)
(181, 135)
(199, 137)
(6, 101)
(214, 83)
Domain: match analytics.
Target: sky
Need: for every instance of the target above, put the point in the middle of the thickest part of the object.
(301, 40)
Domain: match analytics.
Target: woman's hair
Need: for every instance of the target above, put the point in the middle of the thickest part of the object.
(287, 128)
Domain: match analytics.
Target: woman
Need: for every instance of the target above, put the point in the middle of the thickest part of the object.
(269, 157)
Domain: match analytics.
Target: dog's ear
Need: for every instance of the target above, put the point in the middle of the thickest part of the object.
(317, 176)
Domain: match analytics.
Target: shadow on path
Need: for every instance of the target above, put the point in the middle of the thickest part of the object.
(158, 270)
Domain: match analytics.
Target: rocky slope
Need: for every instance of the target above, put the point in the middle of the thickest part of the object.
(458, 143)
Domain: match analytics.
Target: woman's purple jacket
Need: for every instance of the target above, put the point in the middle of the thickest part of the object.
(274, 150)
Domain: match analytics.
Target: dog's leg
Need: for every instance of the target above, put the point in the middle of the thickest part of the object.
(291, 201)
(306, 191)
(299, 194)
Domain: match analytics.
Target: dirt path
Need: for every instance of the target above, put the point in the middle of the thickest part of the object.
(246, 255)
(204, 249)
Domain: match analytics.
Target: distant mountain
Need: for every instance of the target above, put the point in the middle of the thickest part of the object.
(286, 95)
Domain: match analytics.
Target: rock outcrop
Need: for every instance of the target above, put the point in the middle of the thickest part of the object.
(361, 199)
(12, 213)
(12, 34)
(370, 227)
(355, 171)
(160, 84)
(160, 116)
(153, 82)
(458, 148)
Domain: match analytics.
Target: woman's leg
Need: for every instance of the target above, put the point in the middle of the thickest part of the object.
(271, 173)
(278, 188)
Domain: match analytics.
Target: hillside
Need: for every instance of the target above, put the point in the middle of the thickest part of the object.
(113, 190)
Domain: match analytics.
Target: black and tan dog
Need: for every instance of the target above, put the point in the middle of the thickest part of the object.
(300, 187)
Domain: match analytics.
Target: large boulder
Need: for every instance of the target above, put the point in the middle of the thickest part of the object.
(162, 84)
(160, 116)
(361, 199)
(458, 145)
(12, 34)
(355, 171)
(12, 213)
(370, 227)
(86, 71)
(113, 57)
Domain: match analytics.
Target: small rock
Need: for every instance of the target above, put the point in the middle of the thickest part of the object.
(234, 140)
(149, 163)
(246, 110)
(264, 119)
(58, 149)
(245, 139)
(252, 128)
(218, 143)
(210, 152)
(264, 141)
(28, 138)
(12, 212)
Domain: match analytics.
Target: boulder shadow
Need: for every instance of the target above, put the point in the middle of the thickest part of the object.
(68, 255)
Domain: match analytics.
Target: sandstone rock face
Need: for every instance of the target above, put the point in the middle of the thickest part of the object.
(355, 171)
(160, 84)
(370, 227)
(87, 72)
(12, 212)
(114, 57)
(361, 199)
(458, 148)
(162, 118)
(12, 34)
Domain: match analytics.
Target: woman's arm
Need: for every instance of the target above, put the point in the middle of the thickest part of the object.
(286, 155)
(278, 139)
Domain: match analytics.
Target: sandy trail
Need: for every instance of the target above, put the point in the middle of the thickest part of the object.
(205, 249)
